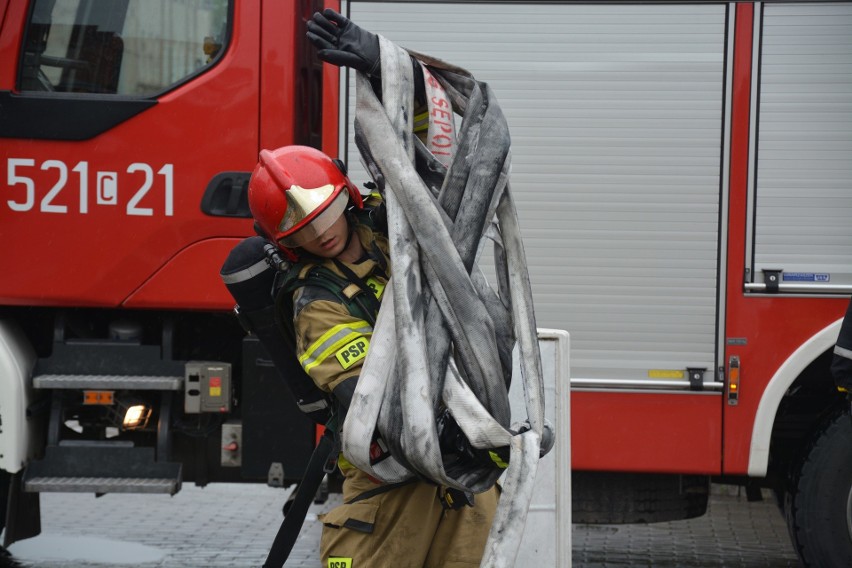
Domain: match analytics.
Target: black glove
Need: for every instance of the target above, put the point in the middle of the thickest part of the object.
(342, 43)
(453, 442)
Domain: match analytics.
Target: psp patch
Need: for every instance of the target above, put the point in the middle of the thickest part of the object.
(353, 352)
(337, 562)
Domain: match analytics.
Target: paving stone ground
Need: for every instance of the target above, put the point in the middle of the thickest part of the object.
(734, 533)
(231, 525)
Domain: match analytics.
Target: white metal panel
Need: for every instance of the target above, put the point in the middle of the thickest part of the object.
(615, 113)
(547, 532)
(803, 196)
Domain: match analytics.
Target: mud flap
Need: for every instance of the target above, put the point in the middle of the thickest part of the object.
(22, 511)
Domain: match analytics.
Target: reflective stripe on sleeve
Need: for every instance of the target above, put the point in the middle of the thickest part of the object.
(331, 341)
(421, 121)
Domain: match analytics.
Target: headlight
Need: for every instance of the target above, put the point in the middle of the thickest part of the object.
(136, 416)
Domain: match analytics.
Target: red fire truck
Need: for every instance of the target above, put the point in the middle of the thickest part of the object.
(683, 182)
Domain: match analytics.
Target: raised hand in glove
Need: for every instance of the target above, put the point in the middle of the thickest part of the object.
(342, 43)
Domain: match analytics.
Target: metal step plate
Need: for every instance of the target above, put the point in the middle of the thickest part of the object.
(108, 382)
(101, 485)
(101, 468)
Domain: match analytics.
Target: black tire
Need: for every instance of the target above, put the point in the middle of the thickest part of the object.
(819, 508)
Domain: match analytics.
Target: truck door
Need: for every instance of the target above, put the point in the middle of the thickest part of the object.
(116, 116)
(791, 268)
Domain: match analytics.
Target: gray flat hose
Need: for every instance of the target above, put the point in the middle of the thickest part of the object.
(444, 337)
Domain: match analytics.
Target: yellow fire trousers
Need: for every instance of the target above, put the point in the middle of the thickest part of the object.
(405, 527)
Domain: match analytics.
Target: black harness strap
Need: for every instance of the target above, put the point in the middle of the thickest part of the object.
(380, 489)
(367, 295)
(325, 451)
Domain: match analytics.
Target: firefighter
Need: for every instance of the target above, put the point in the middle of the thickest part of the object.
(303, 201)
(841, 366)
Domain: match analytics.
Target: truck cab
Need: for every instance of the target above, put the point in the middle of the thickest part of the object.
(128, 133)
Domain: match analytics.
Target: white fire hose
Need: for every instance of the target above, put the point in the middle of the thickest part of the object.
(444, 337)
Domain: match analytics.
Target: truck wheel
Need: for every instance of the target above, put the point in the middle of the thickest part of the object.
(819, 507)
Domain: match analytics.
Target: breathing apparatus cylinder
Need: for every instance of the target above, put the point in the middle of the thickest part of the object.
(249, 273)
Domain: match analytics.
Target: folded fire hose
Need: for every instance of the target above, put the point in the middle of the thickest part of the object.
(444, 337)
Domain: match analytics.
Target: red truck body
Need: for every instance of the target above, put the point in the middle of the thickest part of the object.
(123, 205)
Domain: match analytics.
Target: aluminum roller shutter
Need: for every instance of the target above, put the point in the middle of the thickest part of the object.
(803, 196)
(615, 113)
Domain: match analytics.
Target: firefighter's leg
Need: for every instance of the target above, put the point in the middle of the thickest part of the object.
(462, 533)
(394, 529)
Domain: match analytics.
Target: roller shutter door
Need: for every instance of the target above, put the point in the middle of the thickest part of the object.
(803, 196)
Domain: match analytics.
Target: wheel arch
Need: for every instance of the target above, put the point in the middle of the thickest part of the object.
(778, 386)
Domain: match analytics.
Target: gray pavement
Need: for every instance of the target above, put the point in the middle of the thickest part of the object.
(215, 526)
(233, 525)
(733, 533)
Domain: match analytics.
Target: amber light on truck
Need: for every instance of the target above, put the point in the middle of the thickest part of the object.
(733, 380)
(91, 397)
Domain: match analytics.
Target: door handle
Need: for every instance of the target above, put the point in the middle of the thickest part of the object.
(227, 195)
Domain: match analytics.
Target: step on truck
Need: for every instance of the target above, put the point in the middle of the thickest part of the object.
(683, 183)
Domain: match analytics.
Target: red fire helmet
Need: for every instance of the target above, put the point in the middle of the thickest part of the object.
(297, 192)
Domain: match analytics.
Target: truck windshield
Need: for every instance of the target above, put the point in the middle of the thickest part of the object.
(122, 47)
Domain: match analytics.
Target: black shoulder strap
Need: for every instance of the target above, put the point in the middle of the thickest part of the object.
(324, 453)
(365, 299)
(361, 304)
